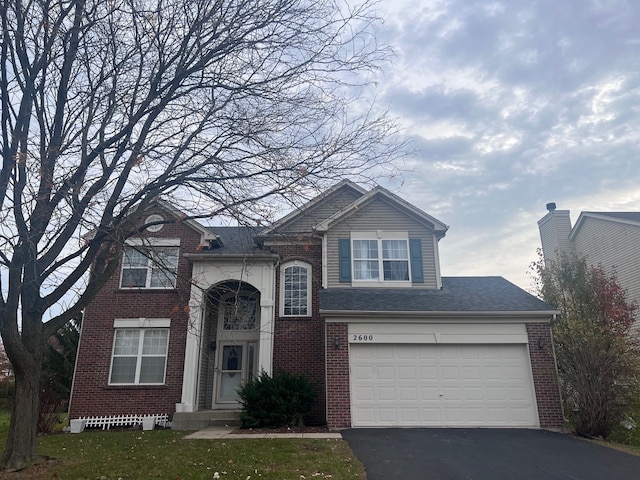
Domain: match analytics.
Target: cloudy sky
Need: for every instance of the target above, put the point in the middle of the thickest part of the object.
(510, 105)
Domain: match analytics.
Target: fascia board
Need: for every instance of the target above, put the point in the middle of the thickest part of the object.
(439, 227)
(416, 316)
(204, 257)
(310, 204)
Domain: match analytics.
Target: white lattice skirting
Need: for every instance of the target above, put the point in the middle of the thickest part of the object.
(148, 422)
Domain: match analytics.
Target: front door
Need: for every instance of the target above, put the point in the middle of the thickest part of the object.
(236, 352)
(237, 366)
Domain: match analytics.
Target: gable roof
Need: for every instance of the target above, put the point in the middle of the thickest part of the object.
(478, 295)
(311, 204)
(205, 233)
(438, 226)
(629, 218)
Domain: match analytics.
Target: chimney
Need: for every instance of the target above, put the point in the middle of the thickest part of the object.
(555, 228)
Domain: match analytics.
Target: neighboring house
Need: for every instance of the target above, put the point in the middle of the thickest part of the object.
(610, 239)
(347, 291)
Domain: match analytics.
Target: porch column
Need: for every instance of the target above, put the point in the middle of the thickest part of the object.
(265, 350)
(189, 399)
(267, 317)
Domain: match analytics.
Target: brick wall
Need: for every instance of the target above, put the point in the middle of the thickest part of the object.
(338, 393)
(545, 377)
(92, 395)
(298, 343)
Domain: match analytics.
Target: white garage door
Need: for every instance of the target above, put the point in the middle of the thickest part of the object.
(441, 385)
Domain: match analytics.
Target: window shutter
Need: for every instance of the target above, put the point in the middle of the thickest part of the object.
(415, 249)
(344, 245)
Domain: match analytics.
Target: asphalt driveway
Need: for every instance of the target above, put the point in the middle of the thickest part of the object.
(485, 454)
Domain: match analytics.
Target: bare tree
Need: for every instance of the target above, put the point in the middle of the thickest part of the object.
(217, 105)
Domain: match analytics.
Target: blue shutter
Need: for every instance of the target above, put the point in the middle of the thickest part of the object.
(415, 252)
(344, 245)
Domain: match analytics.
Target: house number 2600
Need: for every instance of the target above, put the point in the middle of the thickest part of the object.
(363, 338)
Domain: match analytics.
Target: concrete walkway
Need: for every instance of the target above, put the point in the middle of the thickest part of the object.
(227, 434)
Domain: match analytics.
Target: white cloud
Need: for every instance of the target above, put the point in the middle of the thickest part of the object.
(512, 105)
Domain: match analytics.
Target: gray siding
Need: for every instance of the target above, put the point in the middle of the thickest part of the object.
(555, 228)
(613, 245)
(380, 215)
(324, 209)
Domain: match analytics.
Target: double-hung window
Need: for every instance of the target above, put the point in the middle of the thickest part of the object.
(149, 266)
(380, 259)
(295, 285)
(139, 356)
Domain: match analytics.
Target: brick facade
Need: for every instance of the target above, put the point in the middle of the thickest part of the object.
(545, 375)
(338, 389)
(298, 344)
(92, 395)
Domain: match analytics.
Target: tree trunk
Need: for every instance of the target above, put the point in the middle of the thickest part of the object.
(21, 447)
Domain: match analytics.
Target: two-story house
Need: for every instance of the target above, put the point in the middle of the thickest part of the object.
(346, 290)
(609, 239)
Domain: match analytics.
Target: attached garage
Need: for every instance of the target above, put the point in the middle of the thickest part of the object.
(441, 385)
(476, 353)
(440, 375)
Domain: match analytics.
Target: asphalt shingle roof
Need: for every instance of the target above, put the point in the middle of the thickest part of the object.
(458, 294)
(631, 216)
(235, 241)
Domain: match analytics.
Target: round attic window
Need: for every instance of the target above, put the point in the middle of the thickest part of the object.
(152, 219)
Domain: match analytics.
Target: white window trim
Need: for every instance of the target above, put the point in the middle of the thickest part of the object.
(283, 267)
(136, 381)
(379, 236)
(153, 242)
(142, 323)
(149, 243)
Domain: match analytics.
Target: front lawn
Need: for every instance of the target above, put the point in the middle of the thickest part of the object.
(165, 454)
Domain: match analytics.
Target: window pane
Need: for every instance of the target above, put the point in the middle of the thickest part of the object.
(239, 314)
(134, 278)
(251, 361)
(396, 270)
(365, 270)
(123, 370)
(162, 279)
(395, 250)
(164, 267)
(126, 342)
(295, 291)
(134, 268)
(135, 258)
(365, 263)
(152, 369)
(232, 357)
(155, 342)
(365, 249)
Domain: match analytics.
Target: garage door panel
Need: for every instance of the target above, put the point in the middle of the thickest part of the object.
(407, 373)
(441, 385)
(408, 394)
(386, 394)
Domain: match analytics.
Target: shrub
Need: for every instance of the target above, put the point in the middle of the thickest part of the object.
(598, 356)
(48, 411)
(282, 400)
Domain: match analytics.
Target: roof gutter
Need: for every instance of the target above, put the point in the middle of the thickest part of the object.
(333, 316)
(204, 257)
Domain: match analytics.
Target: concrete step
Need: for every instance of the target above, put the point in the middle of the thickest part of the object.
(205, 418)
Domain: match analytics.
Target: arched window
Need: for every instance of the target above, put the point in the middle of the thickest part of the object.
(295, 289)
